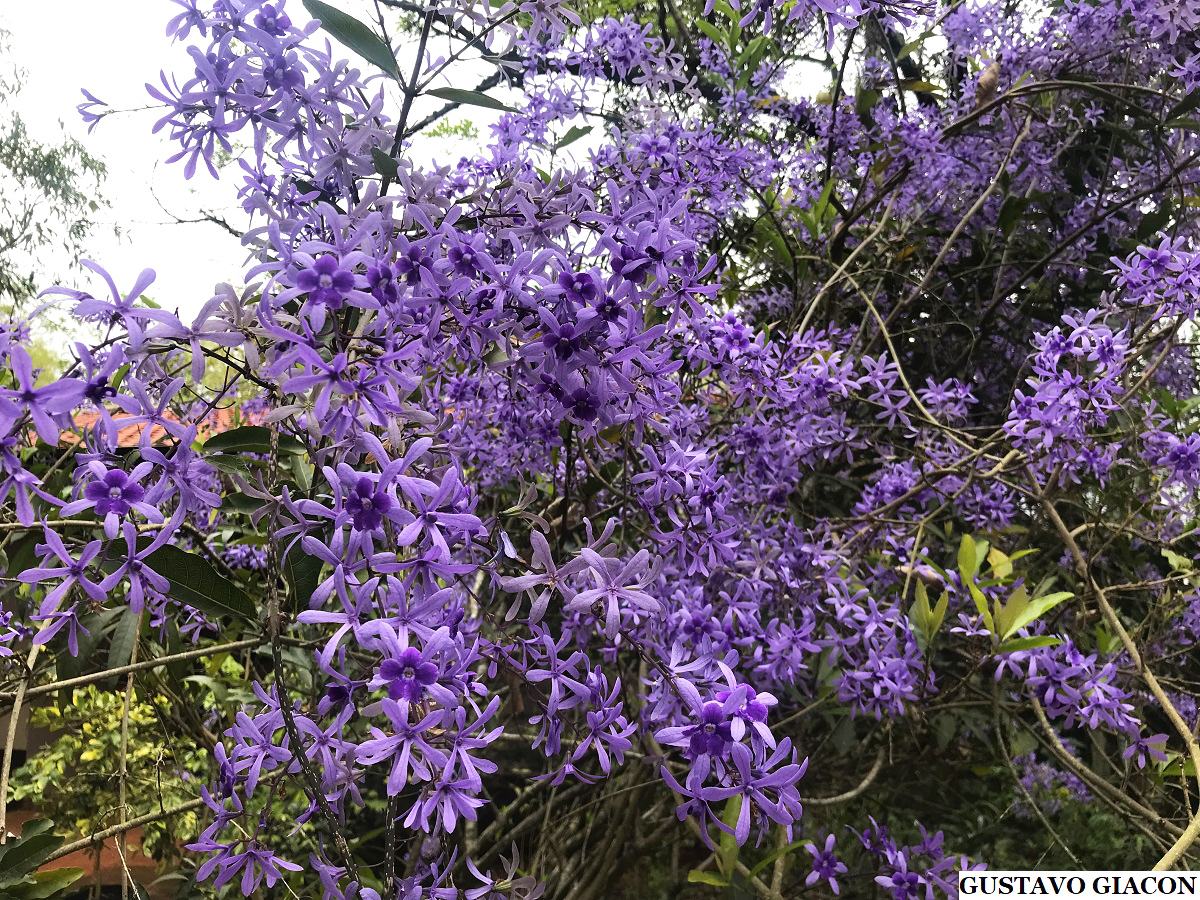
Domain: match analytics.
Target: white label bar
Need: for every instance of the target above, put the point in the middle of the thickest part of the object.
(1078, 884)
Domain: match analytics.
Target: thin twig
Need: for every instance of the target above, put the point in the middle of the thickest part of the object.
(133, 667)
(123, 762)
(100, 837)
(855, 791)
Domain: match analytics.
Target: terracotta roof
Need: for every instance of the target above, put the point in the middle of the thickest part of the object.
(130, 435)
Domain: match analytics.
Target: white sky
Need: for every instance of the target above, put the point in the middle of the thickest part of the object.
(112, 50)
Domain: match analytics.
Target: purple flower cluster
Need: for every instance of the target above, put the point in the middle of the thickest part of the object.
(628, 456)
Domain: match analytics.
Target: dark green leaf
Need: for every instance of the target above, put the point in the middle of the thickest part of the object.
(1187, 123)
(1010, 213)
(36, 826)
(1186, 105)
(354, 34)
(27, 853)
(303, 572)
(125, 635)
(242, 503)
(251, 439)
(92, 629)
(44, 885)
(230, 465)
(302, 471)
(177, 671)
(469, 98)
(1154, 221)
(574, 134)
(195, 582)
(384, 164)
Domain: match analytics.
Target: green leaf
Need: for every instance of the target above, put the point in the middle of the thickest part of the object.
(696, 876)
(241, 503)
(1154, 221)
(775, 854)
(1184, 767)
(723, 7)
(1185, 106)
(1028, 643)
(174, 644)
(1018, 602)
(36, 826)
(302, 472)
(913, 45)
(747, 63)
(921, 615)
(819, 213)
(252, 439)
(303, 573)
(91, 631)
(1179, 563)
(1036, 607)
(355, 35)
(981, 605)
(469, 98)
(713, 33)
(384, 164)
(230, 465)
(728, 844)
(194, 581)
(1010, 213)
(574, 134)
(939, 613)
(29, 851)
(1106, 641)
(1000, 563)
(125, 635)
(971, 554)
(119, 377)
(46, 884)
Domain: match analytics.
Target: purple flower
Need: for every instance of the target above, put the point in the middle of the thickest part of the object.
(620, 588)
(712, 735)
(407, 676)
(367, 505)
(281, 71)
(382, 282)
(88, 110)
(1145, 748)
(257, 864)
(825, 865)
(272, 19)
(408, 673)
(45, 405)
(114, 494)
(327, 285)
(578, 287)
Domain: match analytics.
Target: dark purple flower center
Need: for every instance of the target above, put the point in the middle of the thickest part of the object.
(367, 506)
(114, 493)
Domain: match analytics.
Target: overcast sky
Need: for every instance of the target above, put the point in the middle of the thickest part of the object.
(112, 50)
